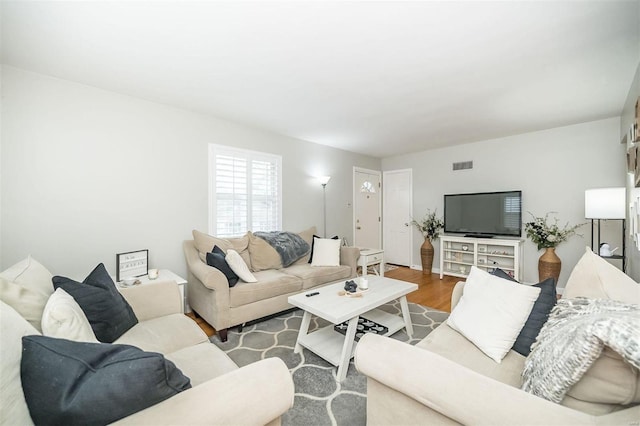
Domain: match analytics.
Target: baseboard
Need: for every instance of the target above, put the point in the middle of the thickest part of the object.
(419, 268)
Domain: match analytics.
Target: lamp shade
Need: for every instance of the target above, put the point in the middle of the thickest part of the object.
(605, 203)
(323, 179)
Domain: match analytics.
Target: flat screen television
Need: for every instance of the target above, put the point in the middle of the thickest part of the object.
(484, 214)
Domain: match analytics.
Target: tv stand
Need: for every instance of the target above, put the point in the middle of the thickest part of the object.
(459, 254)
(478, 236)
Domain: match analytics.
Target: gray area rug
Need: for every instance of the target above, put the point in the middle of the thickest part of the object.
(319, 399)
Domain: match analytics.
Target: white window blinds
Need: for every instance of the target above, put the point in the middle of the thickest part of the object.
(245, 191)
(512, 212)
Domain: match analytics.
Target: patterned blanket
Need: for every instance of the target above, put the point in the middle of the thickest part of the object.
(574, 337)
(289, 246)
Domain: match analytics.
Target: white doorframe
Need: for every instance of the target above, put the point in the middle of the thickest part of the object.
(384, 208)
(353, 202)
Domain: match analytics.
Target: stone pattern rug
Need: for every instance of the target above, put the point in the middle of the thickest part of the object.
(319, 399)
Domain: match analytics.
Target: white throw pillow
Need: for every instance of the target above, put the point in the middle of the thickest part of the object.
(64, 318)
(238, 265)
(492, 311)
(326, 252)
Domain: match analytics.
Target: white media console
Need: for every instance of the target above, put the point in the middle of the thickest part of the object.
(459, 254)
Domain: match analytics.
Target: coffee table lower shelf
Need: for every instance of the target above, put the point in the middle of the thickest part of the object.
(328, 343)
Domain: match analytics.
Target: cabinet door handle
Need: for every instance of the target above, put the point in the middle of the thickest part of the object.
(358, 227)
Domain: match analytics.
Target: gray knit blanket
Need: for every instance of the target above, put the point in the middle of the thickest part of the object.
(289, 246)
(574, 337)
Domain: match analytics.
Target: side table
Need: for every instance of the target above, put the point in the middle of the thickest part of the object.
(372, 257)
(167, 275)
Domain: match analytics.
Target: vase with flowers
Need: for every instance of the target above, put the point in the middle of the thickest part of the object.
(429, 226)
(547, 234)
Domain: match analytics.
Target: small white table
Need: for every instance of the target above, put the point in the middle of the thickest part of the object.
(371, 257)
(166, 275)
(336, 347)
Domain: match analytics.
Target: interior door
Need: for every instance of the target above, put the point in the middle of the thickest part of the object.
(397, 207)
(366, 212)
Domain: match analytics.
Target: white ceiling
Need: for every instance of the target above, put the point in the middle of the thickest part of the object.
(381, 78)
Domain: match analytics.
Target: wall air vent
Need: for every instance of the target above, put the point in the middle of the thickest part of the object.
(463, 165)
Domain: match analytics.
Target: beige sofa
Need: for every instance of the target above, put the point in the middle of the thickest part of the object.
(220, 389)
(445, 379)
(222, 306)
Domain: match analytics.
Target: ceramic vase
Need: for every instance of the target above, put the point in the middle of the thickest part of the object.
(549, 265)
(426, 255)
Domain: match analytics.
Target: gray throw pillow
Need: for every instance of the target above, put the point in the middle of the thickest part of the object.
(78, 383)
(539, 313)
(108, 312)
(216, 259)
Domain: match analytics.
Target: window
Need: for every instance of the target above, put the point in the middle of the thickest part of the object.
(512, 215)
(245, 191)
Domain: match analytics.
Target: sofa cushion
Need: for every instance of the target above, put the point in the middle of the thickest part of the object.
(107, 311)
(263, 255)
(13, 407)
(63, 318)
(29, 303)
(492, 312)
(326, 252)
(68, 382)
(271, 283)
(30, 274)
(307, 236)
(164, 334)
(596, 278)
(239, 266)
(312, 277)
(216, 259)
(539, 313)
(205, 243)
(26, 286)
(202, 362)
(452, 345)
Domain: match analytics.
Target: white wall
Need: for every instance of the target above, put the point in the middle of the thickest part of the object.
(633, 193)
(87, 173)
(552, 168)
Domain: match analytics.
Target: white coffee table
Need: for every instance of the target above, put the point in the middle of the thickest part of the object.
(335, 347)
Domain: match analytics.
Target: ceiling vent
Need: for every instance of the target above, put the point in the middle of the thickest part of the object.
(463, 165)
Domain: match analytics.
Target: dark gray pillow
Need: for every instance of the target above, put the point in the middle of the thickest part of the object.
(216, 259)
(108, 312)
(539, 313)
(77, 383)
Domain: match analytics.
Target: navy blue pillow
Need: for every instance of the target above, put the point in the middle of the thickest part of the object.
(539, 313)
(108, 312)
(313, 240)
(216, 259)
(77, 383)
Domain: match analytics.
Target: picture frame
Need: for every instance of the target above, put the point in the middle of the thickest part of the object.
(132, 264)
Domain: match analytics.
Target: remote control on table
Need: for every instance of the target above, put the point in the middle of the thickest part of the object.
(312, 294)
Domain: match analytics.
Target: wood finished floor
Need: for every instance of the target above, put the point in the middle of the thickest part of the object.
(432, 292)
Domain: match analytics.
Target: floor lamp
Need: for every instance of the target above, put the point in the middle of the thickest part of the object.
(602, 204)
(323, 181)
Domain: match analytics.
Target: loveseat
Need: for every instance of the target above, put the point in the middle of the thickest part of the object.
(446, 379)
(222, 306)
(219, 388)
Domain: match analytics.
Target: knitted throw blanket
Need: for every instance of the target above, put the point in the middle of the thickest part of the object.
(574, 337)
(289, 246)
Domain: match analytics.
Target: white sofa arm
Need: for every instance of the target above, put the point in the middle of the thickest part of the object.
(154, 300)
(252, 395)
(455, 391)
